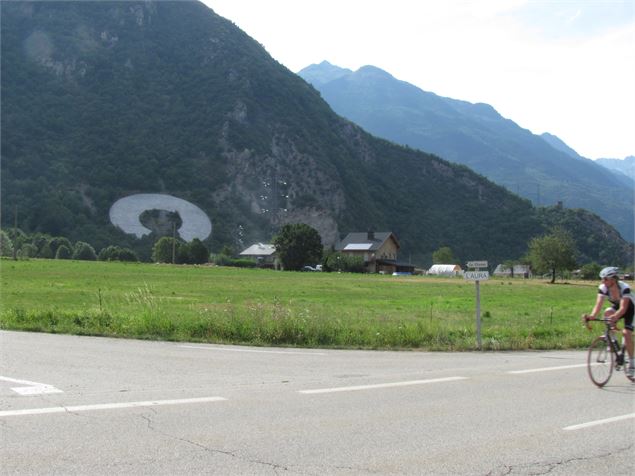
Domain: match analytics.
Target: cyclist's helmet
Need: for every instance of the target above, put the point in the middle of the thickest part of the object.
(609, 272)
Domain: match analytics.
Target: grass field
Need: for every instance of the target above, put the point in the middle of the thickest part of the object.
(264, 307)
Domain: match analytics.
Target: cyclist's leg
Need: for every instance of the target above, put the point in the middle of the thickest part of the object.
(628, 332)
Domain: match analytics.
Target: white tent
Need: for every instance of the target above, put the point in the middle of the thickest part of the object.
(445, 270)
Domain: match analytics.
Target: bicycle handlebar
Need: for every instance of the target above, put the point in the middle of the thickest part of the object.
(586, 320)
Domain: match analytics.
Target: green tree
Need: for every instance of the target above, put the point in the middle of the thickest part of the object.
(336, 261)
(28, 250)
(6, 245)
(63, 252)
(45, 251)
(553, 252)
(354, 264)
(590, 271)
(83, 251)
(443, 255)
(117, 253)
(298, 245)
(58, 241)
(197, 252)
(227, 250)
(165, 250)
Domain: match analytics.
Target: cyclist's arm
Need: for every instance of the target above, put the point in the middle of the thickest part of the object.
(598, 305)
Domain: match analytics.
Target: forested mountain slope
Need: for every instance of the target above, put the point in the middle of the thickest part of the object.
(103, 100)
(477, 136)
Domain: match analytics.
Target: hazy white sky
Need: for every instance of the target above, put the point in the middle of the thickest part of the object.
(561, 66)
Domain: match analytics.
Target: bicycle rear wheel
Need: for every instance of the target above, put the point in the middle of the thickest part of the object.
(600, 361)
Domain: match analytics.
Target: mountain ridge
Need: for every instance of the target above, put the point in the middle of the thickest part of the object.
(478, 136)
(105, 100)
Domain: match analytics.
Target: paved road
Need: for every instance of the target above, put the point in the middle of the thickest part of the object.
(84, 405)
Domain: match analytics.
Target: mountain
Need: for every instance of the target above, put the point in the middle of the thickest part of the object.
(625, 166)
(137, 112)
(623, 171)
(559, 144)
(538, 168)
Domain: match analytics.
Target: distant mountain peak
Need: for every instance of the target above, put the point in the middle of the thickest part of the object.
(541, 168)
(323, 73)
(370, 69)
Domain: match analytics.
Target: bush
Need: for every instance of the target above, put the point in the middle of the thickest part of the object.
(83, 251)
(197, 252)
(63, 252)
(345, 263)
(28, 250)
(224, 260)
(6, 245)
(45, 251)
(18, 237)
(116, 253)
(590, 271)
(58, 241)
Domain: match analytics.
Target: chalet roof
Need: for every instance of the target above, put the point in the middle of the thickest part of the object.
(259, 249)
(365, 241)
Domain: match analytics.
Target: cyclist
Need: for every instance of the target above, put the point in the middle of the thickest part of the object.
(622, 306)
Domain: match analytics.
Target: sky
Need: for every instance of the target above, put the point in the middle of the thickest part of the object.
(566, 67)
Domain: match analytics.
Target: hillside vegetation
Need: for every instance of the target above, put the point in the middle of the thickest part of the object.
(540, 168)
(102, 100)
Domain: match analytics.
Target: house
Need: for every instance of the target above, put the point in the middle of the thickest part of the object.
(377, 249)
(519, 271)
(445, 270)
(265, 255)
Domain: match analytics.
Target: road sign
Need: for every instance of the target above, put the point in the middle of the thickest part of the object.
(476, 275)
(477, 264)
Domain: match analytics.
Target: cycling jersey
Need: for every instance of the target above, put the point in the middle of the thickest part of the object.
(625, 292)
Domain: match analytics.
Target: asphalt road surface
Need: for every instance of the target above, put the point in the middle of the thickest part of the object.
(92, 406)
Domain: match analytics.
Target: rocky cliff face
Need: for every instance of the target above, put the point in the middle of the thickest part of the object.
(114, 99)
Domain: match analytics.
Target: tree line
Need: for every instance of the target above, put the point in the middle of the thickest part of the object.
(297, 245)
(17, 244)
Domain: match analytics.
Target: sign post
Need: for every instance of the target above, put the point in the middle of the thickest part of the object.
(476, 275)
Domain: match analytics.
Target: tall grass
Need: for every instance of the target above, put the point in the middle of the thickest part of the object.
(264, 307)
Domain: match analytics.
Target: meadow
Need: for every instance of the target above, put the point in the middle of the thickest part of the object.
(266, 307)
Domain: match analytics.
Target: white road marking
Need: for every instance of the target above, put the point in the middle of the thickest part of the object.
(107, 406)
(381, 385)
(599, 422)
(33, 388)
(227, 349)
(546, 369)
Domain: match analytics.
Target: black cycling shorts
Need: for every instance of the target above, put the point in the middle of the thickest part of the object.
(628, 315)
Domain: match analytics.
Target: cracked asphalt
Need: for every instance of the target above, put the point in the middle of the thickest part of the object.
(140, 407)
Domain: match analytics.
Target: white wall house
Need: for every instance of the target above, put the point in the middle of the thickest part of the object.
(445, 270)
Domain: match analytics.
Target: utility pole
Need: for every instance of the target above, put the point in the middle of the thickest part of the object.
(15, 232)
(173, 241)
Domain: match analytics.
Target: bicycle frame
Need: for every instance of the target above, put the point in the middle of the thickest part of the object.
(605, 354)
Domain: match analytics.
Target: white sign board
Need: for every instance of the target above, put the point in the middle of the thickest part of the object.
(476, 275)
(477, 264)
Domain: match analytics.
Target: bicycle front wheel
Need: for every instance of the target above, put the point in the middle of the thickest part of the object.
(600, 361)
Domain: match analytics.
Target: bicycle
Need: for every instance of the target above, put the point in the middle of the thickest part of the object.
(605, 354)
